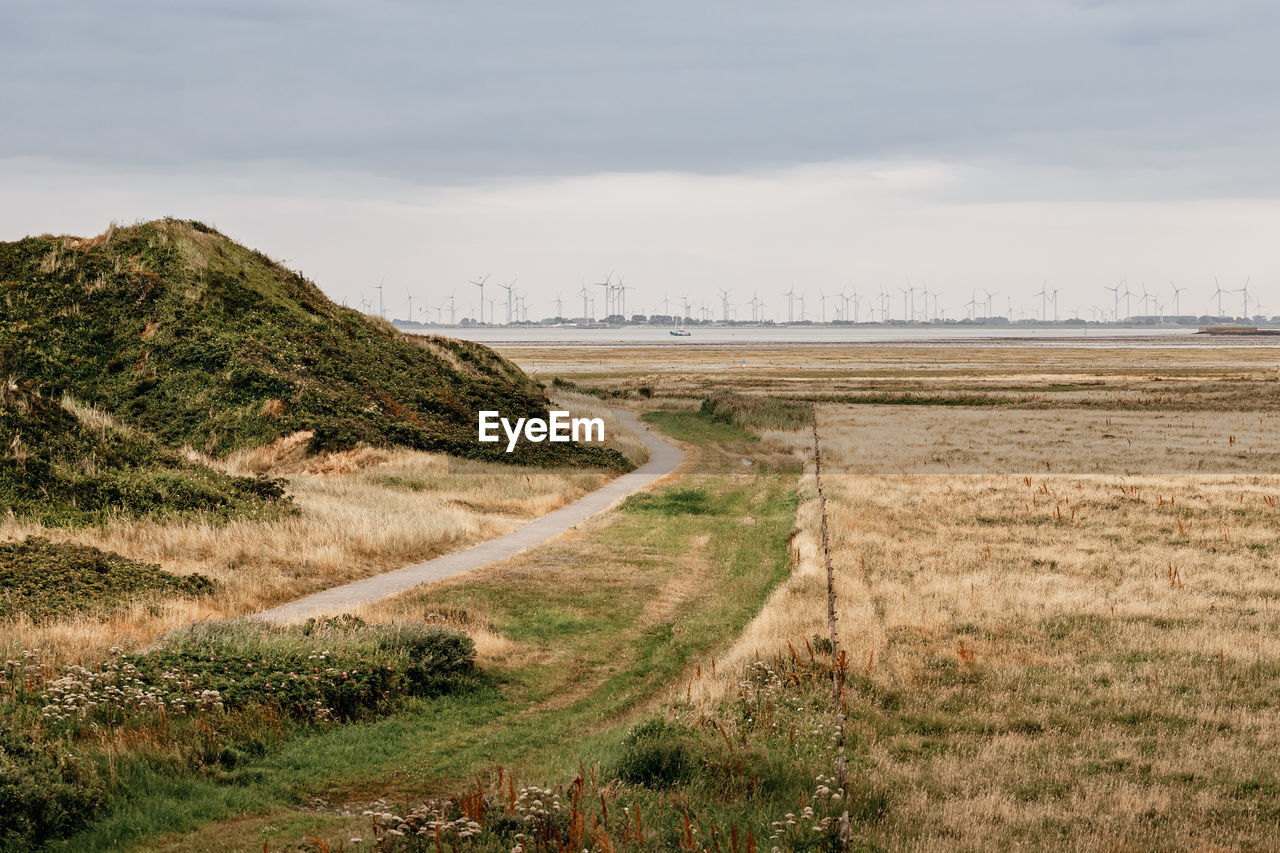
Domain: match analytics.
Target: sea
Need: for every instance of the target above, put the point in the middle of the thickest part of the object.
(888, 335)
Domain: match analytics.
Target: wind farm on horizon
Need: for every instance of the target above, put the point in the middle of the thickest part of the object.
(605, 303)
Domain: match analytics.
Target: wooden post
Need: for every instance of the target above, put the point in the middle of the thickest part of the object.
(837, 657)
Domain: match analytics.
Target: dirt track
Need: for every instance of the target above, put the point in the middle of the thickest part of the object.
(663, 459)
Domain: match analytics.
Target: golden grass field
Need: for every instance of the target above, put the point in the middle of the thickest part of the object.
(1046, 377)
(1062, 621)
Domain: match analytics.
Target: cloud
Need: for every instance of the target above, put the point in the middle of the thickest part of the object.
(451, 93)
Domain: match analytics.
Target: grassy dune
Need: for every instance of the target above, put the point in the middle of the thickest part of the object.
(178, 330)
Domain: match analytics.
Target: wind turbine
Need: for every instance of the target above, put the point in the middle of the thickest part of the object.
(622, 297)
(1044, 303)
(908, 291)
(790, 294)
(453, 310)
(1115, 291)
(1054, 299)
(559, 312)
(381, 310)
(684, 301)
(972, 304)
(724, 304)
(607, 284)
(990, 305)
(1218, 293)
(410, 307)
(1177, 309)
(585, 293)
(480, 284)
(802, 308)
(507, 288)
(1245, 291)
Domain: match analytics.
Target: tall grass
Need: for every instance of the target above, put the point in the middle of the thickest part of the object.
(377, 510)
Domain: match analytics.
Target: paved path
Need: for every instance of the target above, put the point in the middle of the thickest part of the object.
(663, 458)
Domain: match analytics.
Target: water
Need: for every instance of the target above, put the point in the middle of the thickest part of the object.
(503, 336)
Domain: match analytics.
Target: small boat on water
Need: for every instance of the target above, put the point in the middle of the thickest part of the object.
(681, 333)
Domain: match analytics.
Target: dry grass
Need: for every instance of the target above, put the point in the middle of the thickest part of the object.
(877, 439)
(1047, 377)
(586, 406)
(944, 359)
(360, 513)
(1057, 661)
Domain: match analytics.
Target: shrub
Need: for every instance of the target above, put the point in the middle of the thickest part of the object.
(757, 412)
(657, 754)
(45, 793)
(671, 502)
(43, 580)
(331, 670)
(65, 472)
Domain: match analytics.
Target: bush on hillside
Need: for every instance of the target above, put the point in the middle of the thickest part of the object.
(657, 754)
(60, 471)
(42, 580)
(45, 792)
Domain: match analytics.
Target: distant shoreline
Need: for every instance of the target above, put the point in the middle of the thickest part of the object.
(525, 338)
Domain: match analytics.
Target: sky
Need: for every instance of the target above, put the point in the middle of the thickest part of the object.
(815, 147)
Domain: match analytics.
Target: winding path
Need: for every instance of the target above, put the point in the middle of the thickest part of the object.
(663, 459)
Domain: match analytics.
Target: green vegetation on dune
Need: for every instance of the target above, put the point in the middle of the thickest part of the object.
(61, 471)
(42, 580)
(176, 329)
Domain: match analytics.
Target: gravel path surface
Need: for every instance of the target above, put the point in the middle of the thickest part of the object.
(663, 459)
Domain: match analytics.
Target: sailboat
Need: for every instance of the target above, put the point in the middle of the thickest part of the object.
(680, 331)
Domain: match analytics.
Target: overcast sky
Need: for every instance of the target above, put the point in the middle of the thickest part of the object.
(753, 146)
